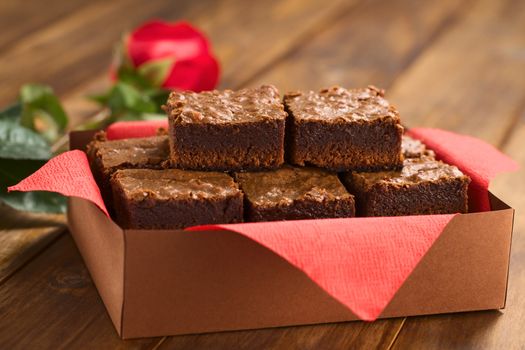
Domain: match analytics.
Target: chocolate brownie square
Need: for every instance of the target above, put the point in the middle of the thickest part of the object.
(293, 193)
(423, 186)
(343, 130)
(414, 148)
(226, 130)
(174, 199)
(105, 157)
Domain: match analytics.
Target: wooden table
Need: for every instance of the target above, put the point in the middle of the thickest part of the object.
(454, 64)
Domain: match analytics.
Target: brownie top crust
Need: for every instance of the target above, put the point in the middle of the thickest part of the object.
(288, 184)
(337, 103)
(227, 106)
(137, 151)
(415, 170)
(169, 184)
(413, 148)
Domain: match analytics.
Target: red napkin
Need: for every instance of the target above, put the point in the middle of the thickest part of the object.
(132, 129)
(68, 174)
(361, 262)
(479, 160)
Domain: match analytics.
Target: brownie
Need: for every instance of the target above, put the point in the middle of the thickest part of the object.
(226, 130)
(174, 199)
(343, 130)
(293, 193)
(423, 186)
(106, 157)
(413, 148)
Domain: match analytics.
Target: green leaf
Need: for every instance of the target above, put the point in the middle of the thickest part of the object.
(18, 142)
(129, 75)
(38, 201)
(45, 125)
(156, 71)
(159, 97)
(42, 111)
(13, 171)
(23, 150)
(12, 112)
(124, 98)
(132, 99)
(134, 96)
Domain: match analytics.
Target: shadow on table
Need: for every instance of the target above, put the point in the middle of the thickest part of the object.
(14, 219)
(464, 329)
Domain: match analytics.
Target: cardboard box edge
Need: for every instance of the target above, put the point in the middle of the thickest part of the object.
(107, 275)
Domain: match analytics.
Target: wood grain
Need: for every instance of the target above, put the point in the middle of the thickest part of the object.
(370, 45)
(23, 236)
(18, 21)
(277, 27)
(469, 80)
(349, 335)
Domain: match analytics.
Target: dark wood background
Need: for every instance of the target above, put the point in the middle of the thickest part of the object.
(453, 64)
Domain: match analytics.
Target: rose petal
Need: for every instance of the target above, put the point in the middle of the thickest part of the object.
(158, 39)
(198, 74)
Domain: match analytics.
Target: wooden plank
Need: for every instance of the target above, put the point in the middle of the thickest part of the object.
(265, 31)
(370, 45)
(350, 335)
(18, 21)
(485, 97)
(471, 79)
(23, 236)
(52, 303)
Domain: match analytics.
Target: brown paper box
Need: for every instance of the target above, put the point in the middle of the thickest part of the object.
(169, 282)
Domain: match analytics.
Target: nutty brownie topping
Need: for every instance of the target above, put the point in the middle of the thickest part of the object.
(414, 170)
(413, 148)
(167, 184)
(288, 184)
(339, 103)
(226, 106)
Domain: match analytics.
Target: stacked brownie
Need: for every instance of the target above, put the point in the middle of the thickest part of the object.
(343, 130)
(223, 161)
(106, 157)
(227, 130)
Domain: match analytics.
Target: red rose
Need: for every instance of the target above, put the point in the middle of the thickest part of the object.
(173, 55)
